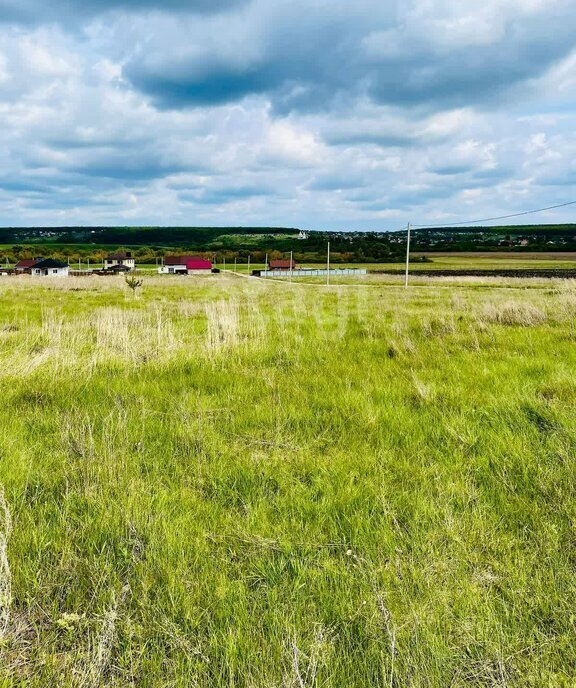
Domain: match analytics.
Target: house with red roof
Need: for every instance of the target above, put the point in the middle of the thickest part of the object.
(25, 265)
(282, 264)
(185, 265)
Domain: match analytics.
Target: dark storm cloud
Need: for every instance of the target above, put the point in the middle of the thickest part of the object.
(72, 11)
(307, 61)
(172, 89)
(285, 53)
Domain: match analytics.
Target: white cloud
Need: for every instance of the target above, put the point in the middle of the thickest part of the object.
(304, 113)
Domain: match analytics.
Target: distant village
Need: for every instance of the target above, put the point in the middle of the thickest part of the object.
(118, 263)
(175, 250)
(123, 262)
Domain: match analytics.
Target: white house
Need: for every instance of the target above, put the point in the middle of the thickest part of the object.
(50, 268)
(123, 259)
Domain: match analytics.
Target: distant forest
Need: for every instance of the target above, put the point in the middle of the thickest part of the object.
(151, 243)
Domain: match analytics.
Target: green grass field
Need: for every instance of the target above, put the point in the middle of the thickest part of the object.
(491, 261)
(233, 482)
(479, 261)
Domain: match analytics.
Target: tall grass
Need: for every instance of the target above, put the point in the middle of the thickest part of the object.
(5, 574)
(228, 482)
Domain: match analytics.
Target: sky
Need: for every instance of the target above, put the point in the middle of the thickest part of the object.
(319, 114)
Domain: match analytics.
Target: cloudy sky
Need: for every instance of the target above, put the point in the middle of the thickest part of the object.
(310, 113)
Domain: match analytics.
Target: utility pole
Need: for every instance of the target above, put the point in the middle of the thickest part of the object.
(291, 265)
(328, 266)
(224, 268)
(234, 265)
(248, 265)
(407, 257)
(266, 266)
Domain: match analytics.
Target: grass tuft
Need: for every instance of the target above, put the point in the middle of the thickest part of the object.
(513, 313)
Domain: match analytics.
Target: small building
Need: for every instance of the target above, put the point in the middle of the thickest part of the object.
(25, 265)
(185, 265)
(282, 264)
(50, 268)
(122, 258)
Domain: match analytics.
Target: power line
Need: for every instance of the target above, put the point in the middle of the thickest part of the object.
(473, 222)
(501, 217)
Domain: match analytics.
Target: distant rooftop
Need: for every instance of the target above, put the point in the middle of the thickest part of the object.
(50, 263)
(121, 255)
